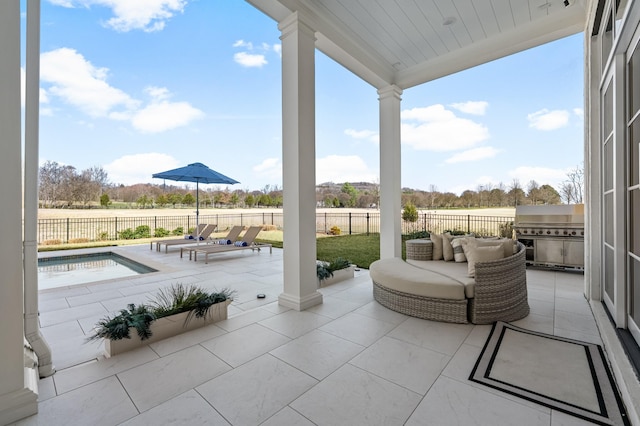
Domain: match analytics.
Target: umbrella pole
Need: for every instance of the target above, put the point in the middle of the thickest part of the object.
(197, 216)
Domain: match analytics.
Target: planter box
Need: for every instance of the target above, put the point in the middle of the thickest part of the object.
(166, 327)
(339, 275)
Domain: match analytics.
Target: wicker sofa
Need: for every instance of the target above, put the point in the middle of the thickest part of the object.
(442, 291)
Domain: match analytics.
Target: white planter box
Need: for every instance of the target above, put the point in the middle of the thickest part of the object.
(166, 327)
(339, 275)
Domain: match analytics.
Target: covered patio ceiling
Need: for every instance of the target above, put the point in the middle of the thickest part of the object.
(410, 42)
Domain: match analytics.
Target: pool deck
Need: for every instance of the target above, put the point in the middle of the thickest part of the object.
(346, 361)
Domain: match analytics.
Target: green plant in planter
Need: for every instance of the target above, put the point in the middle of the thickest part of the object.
(325, 270)
(322, 271)
(173, 300)
(117, 328)
(338, 263)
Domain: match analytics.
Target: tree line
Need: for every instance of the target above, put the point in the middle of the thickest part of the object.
(63, 186)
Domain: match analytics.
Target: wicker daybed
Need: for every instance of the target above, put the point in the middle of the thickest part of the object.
(441, 291)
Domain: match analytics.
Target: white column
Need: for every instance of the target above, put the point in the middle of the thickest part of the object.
(17, 398)
(390, 173)
(299, 164)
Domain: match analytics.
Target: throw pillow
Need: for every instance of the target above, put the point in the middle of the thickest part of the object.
(447, 245)
(507, 244)
(481, 254)
(437, 245)
(458, 249)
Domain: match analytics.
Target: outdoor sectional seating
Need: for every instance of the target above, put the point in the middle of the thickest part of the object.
(442, 290)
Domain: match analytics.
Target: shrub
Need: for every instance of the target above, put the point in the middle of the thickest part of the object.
(178, 231)
(416, 235)
(143, 231)
(335, 230)
(410, 212)
(103, 236)
(127, 234)
(52, 242)
(160, 232)
(269, 228)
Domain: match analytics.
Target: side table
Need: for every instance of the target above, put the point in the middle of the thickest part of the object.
(419, 249)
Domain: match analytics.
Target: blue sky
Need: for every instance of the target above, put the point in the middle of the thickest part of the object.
(139, 90)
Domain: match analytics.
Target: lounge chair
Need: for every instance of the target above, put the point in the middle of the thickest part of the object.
(230, 238)
(246, 243)
(205, 231)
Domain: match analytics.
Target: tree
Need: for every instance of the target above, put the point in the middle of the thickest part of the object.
(162, 200)
(548, 195)
(104, 200)
(352, 192)
(572, 188)
(188, 199)
(516, 194)
(249, 200)
(533, 192)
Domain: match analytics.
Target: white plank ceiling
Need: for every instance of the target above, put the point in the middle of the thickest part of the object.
(409, 42)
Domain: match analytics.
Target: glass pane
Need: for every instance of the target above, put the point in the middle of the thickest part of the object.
(634, 221)
(607, 112)
(634, 284)
(608, 165)
(607, 39)
(634, 82)
(634, 151)
(608, 273)
(608, 218)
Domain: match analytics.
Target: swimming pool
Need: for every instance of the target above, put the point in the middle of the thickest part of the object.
(61, 271)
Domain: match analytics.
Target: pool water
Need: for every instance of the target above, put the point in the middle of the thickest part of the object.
(62, 271)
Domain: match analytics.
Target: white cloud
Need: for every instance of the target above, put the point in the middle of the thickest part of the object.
(254, 60)
(346, 168)
(145, 15)
(548, 120)
(362, 134)
(161, 115)
(434, 128)
(76, 81)
(270, 168)
(579, 112)
(138, 168)
(542, 175)
(242, 43)
(472, 107)
(250, 60)
(474, 154)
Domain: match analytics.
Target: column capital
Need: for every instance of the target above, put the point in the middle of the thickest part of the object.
(390, 91)
(295, 22)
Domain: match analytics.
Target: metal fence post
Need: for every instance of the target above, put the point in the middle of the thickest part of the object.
(116, 236)
(367, 223)
(468, 223)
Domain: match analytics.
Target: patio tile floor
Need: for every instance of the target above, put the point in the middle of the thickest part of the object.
(347, 361)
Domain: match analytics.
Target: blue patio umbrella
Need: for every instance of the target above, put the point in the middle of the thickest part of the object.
(198, 173)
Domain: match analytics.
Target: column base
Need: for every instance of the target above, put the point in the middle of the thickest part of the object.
(22, 403)
(300, 303)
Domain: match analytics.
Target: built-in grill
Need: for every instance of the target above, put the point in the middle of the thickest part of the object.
(553, 235)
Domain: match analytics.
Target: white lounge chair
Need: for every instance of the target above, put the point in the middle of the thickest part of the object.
(246, 243)
(204, 233)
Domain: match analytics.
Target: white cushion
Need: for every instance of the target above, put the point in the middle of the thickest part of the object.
(453, 270)
(458, 250)
(481, 254)
(396, 274)
(507, 244)
(437, 246)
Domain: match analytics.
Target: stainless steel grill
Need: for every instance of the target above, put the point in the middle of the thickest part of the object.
(552, 235)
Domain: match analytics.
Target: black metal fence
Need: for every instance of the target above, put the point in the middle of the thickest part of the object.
(51, 231)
